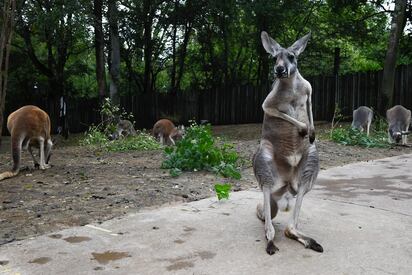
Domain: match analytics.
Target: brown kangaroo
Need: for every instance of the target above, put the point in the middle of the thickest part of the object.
(167, 132)
(29, 127)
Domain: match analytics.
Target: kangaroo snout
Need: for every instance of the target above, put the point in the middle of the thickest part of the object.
(281, 71)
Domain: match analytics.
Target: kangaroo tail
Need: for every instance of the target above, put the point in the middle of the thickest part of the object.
(16, 143)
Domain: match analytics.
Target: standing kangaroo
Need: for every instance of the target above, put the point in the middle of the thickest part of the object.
(286, 163)
(29, 127)
(362, 119)
(167, 132)
(399, 119)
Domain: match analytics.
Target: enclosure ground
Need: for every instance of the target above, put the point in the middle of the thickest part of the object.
(359, 213)
(86, 186)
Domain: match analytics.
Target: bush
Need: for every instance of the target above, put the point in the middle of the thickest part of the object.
(349, 136)
(199, 150)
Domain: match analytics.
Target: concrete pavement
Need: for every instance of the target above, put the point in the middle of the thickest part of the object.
(360, 213)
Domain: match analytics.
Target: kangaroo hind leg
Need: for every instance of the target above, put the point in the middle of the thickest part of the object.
(310, 172)
(269, 181)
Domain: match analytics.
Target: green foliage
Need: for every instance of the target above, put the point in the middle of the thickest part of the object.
(94, 137)
(97, 136)
(199, 150)
(194, 44)
(223, 190)
(349, 136)
(98, 140)
(110, 113)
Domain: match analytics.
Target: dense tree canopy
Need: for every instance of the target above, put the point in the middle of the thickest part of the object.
(176, 45)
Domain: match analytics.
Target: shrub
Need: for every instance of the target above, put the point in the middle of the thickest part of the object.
(199, 150)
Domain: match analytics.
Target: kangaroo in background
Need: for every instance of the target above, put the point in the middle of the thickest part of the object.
(399, 120)
(286, 163)
(362, 119)
(29, 127)
(166, 132)
(124, 128)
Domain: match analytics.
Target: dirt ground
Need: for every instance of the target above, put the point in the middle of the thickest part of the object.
(84, 186)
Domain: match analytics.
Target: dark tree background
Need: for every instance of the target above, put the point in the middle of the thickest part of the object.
(79, 48)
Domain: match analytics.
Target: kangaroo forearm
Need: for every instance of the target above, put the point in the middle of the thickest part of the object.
(276, 113)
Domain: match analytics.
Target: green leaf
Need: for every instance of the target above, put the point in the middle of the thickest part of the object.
(223, 190)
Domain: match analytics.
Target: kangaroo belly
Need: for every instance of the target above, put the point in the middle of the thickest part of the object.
(289, 147)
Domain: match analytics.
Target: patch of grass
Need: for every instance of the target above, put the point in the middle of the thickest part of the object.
(348, 136)
(223, 190)
(199, 150)
(98, 140)
(140, 142)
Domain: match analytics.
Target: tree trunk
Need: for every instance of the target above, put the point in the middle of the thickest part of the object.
(388, 79)
(115, 52)
(99, 48)
(174, 38)
(336, 61)
(148, 47)
(9, 8)
(183, 52)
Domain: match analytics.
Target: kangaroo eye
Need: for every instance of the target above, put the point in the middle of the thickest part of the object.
(291, 57)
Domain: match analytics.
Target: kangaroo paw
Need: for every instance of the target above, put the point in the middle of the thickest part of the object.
(271, 248)
(312, 244)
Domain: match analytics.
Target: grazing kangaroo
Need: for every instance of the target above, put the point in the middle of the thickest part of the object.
(399, 119)
(167, 132)
(286, 163)
(29, 127)
(124, 128)
(362, 119)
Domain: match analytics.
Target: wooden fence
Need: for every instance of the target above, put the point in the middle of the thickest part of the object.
(240, 104)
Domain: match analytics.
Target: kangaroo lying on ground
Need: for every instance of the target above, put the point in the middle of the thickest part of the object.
(165, 131)
(29, 127)
(124, 128)
(286, 164)
(399, 119)
(362, 119)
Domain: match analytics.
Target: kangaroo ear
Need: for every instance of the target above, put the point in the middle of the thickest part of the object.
(299, 46)
(270, 45)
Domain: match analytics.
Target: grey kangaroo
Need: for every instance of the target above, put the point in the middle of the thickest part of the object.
(286, 163)
(362, 119)
(124, 128)
(399, 119)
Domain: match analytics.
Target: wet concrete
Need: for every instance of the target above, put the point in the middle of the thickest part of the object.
(41, 260)
(360, 214)
(105, 257)
(77, 239)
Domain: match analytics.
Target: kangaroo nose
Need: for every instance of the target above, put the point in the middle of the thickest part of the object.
(280, 69)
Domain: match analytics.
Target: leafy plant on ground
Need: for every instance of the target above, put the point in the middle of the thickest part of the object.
(98, 140)
(349, 136)
(199, 150)
(222, 190)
